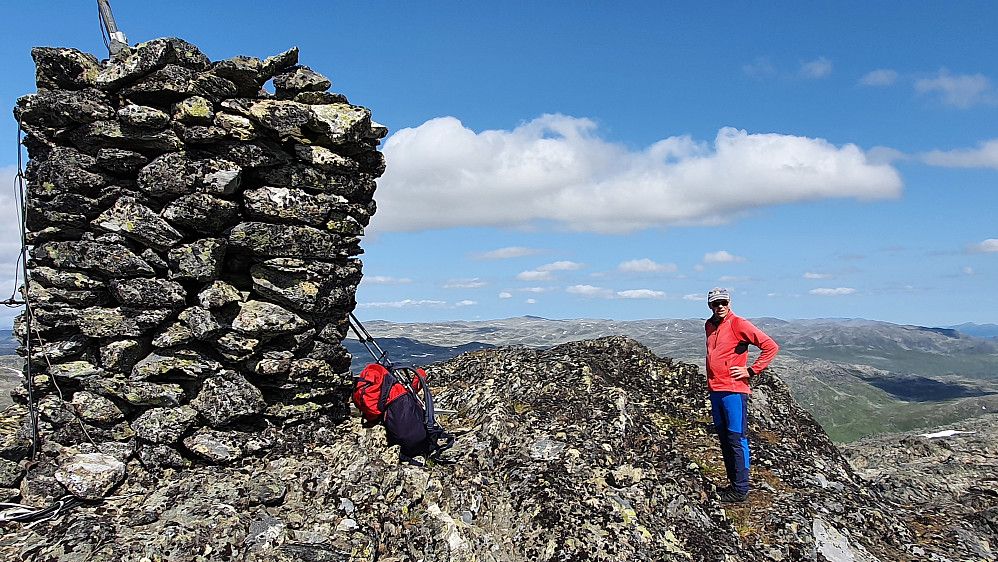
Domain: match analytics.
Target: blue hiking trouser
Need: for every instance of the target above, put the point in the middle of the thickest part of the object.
(730, 412)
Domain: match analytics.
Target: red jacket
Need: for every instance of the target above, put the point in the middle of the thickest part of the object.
(727, 346)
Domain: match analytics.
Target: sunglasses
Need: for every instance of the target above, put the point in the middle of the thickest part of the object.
(716, 304)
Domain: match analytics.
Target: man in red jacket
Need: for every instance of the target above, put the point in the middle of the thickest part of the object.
(728, 339)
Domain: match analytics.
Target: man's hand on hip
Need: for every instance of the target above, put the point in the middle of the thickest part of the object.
(739, 373)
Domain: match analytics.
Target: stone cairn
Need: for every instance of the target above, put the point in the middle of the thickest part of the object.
(194, 243)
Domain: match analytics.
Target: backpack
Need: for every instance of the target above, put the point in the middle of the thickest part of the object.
(390, 396)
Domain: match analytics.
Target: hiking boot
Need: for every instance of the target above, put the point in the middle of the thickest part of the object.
(730, 495)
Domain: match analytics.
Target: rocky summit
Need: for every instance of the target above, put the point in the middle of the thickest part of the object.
(591, 450)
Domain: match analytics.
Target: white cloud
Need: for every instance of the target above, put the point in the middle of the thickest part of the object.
(465, 303)
(814, 275)
(761, 67)
(732, 279)
(556, 171)
(833, 292)
(590, 291)
(984, 156)
(969, 271)
(465, 283)
(881, 77)
(531, 301)
(721, 256)
(646, 265)
(535, 290)
(407, 303)
(505, 295)
(385, 280)
(819, 68)
(963, 90)
(561, 266)
(694, 297)
(641, 294)
(535, 276)
(985, 247)
(503, 253)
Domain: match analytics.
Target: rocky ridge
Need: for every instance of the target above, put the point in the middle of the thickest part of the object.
(591, 450)
(194, 241)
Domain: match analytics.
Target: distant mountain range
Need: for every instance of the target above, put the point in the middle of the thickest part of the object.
(977, 330)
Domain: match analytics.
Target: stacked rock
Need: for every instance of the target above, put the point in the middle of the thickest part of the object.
(194, 249)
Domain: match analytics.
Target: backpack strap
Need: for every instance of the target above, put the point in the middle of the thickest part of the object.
(387, 383)
(433, 430)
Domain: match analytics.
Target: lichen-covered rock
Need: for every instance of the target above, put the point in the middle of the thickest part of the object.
(73, 370)
(10, 473)
(235, 346)
(120, 161)
(173, 335)
(261, 317)
(91, 476)
(165, 86)
(176, 173)
(175, 363)
(287, 205)
(201, 322)
(140, 223)
(147, 57)
(159, 457)
(300, 79)
(137, 393)
(147, 292)
(121, 355)
(60, 68)
(52, 109)
(93, 137)
(355, 188)
(101, 322)
(202, 212)
(198, 261)
(195, 109)
(112, 259)
(324, 158)
(227, 397)
(308, 286)
(164, 425)
(96, 409)
(265, 239)
(218, 294)
(218, 446)
(143, 116)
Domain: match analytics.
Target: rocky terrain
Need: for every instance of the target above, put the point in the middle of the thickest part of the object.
(856, 377)
(592, 450)
(946, 473)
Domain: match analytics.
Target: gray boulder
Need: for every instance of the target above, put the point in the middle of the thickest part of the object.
(164, 425)
(226, 398)
(91, 476)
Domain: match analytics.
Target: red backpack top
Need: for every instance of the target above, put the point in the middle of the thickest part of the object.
(376, 388)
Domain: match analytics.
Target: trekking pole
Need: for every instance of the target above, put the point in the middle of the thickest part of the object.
(365, 338)
(381, 357)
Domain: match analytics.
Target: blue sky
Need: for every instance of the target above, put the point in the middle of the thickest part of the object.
(617, 160)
